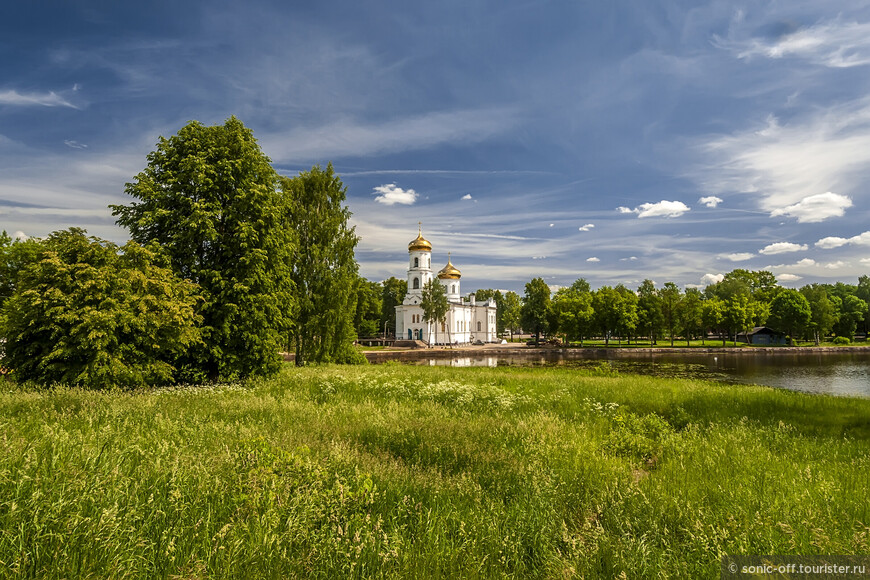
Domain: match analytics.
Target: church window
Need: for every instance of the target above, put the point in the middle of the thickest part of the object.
(478, 326)
(453, 289)
(416, 283)
(416, 262)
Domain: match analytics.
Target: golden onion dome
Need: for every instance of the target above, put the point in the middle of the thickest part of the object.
(420, 244)
(449, 272)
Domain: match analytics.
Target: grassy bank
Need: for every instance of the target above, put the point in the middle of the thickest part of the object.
(398, 471)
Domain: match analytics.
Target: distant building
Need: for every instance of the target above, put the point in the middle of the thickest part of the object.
(466, 322)
(762, 335)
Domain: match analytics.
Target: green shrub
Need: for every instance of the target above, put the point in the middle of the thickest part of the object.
(841, 340)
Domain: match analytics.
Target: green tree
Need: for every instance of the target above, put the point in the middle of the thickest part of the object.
(573, 310)
(394, 291)
(670, 299)
(851, 309)
(691, 314)
(628, 318)
(510, 312)
(736, 314)
(790, 312)
(208, 198)
(823, 312)
(607, 305)
(366, 321)
(324, 270)
(863, 292)
(713, 316)
(435, 306)
(90, 314)
(14, 256)
(498, 297)
(649, 310)
(536, 306)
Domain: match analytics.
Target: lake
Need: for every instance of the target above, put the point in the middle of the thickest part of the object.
(846, 373)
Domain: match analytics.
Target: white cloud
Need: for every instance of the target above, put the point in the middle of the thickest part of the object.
(466, 196)
(831, 242)
(804, 263)
(19, 235)
(629, 259)
(592, 259)
(836, 265)
(833, 44)
(390, 194)
(708, 279)
(782, 248)
(788, 277)
(865, 260)
(816, 208)
(49, 99)
(663, 208)
(551, 225)
(75, 144)
(792, 169)
(586, 228)
(710, 200)
(740, 256)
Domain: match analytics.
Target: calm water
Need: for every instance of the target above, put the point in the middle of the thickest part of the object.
(831, 373)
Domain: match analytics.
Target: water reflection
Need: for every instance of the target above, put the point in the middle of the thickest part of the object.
(833, 373)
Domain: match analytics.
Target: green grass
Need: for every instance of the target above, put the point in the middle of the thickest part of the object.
(428, 472)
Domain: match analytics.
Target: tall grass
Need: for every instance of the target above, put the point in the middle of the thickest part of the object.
(399, 471)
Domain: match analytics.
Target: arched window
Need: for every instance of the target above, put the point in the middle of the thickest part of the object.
(453, 289)
(416, 283)
(478, 326)
(416, 262)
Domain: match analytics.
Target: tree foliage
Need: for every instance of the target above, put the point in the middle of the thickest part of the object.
(324, 271)
(88, 313)
(393, 293)
(535, 308)
(208, 198)
(435, 305)
(790, 312)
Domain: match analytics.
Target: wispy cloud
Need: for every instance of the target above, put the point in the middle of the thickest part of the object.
(349, 138)
(49, 99)
(788, 277)
(794, 169)
(835, 44)
(74, 144)
(710, 201)
(781, 248)
(593, 259)
(670, 209)
(835, 242)
(586, 227)
(391, 194)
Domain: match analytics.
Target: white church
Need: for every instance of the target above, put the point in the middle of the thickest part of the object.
(467, 322)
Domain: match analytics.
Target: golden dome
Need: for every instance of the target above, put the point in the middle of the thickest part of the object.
(449, 272)
(420, 243)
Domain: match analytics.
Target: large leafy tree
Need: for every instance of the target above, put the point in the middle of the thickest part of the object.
(88, 313)
(851, 312)
(671, 297)
(690, 314)
(435, 305)
(790, 312)
(535, 309)
(324, 270)
(366, 321)
(628, 318)
(14, 256)
(823, 312)
(572, 307)
(208, 198)
(607, 304)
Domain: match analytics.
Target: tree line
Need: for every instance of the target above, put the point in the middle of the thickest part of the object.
(742, 300)
(229, 263)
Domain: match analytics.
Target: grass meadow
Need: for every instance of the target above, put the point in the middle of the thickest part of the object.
(427, 472)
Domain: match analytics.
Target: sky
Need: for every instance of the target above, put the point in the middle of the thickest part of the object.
(613, 141)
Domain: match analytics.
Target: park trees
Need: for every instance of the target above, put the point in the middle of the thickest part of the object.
(823, 313)
(392, 295)
(367, 319)
(670, 304)
(691, 314)
(649, 310)
(207, 197)
(535, 308)
(790, 312)
(572, 308)
(851, 312)
(85, 312)
(435, 305)
(607, 302)
(322, 266)
(510, 313)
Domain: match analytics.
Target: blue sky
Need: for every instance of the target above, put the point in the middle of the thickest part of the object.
(614, 141)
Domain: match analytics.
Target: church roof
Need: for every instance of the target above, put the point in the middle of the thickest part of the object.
(449, 272)
(420, 243)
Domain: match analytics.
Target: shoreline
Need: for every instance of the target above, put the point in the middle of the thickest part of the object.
(513, 349)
